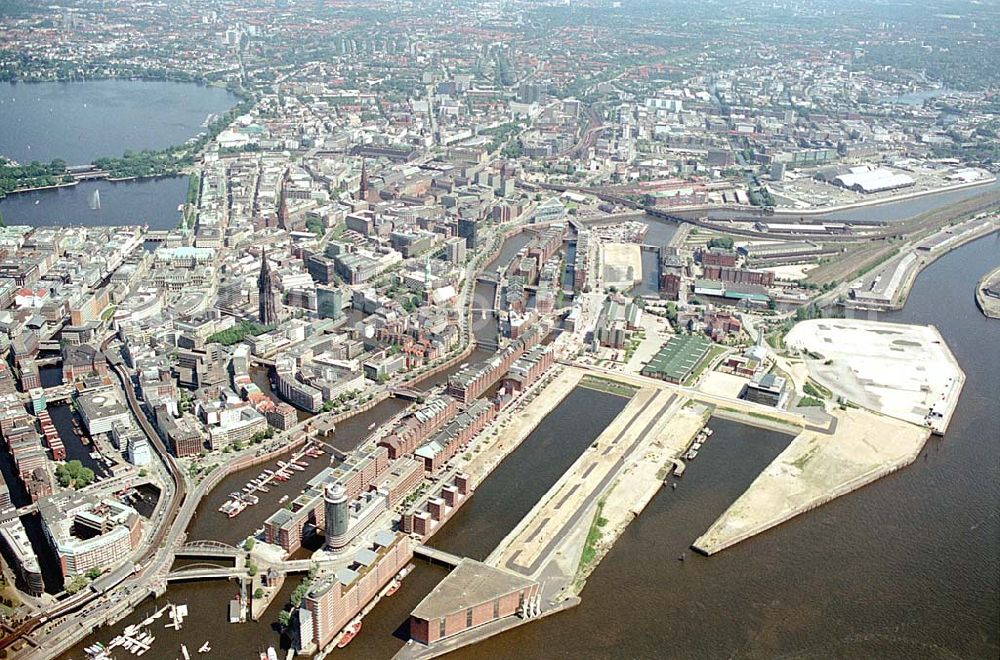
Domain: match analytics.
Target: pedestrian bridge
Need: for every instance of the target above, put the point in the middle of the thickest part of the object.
(209, 571)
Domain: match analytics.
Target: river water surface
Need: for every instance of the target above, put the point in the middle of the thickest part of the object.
(904, 568)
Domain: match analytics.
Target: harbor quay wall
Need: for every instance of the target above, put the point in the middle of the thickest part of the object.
(977, 232)
(417, 651)
(988, 311)
(368, 405)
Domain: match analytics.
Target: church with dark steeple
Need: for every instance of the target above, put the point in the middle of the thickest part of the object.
(363, 188)
(269, 301)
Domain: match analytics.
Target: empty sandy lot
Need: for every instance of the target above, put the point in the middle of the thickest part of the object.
(896, 369)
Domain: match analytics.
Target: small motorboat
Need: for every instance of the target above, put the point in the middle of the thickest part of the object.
(349, 633)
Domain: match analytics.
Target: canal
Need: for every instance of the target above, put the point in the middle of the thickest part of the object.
(496, 507)
(499, 503)
(209, 523)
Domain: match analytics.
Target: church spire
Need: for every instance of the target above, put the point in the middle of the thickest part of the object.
(363, 188)
(267, 303)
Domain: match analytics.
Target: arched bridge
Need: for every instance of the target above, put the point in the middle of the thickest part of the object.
(208, 549)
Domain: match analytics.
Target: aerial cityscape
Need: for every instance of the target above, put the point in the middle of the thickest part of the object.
(499, 328)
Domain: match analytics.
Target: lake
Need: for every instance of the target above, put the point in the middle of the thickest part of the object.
(81, 121)
(149, 201)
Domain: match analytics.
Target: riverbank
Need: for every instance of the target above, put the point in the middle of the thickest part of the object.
(989, 305)
(98, 177)
(978, 231)
(782, 212)
(54, 186)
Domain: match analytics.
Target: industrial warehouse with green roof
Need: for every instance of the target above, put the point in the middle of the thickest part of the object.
(677, 359)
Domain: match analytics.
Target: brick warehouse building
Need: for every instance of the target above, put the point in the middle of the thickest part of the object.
(472, 595)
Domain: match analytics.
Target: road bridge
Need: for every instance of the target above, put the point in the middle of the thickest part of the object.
(264, 362)
(407, 393)
(208, 549)
(207, 573)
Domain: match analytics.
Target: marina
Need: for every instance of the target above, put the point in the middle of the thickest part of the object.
(336, 330)
(137, 639)
(239, 501)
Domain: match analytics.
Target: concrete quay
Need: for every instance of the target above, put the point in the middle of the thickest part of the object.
(612, 481)
(754, 413)
(531, 545)
(988, 305)
(814, 469)
(414, 650)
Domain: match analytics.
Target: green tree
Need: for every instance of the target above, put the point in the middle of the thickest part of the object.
(74, 474)
(75, 584)
(723, 242)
